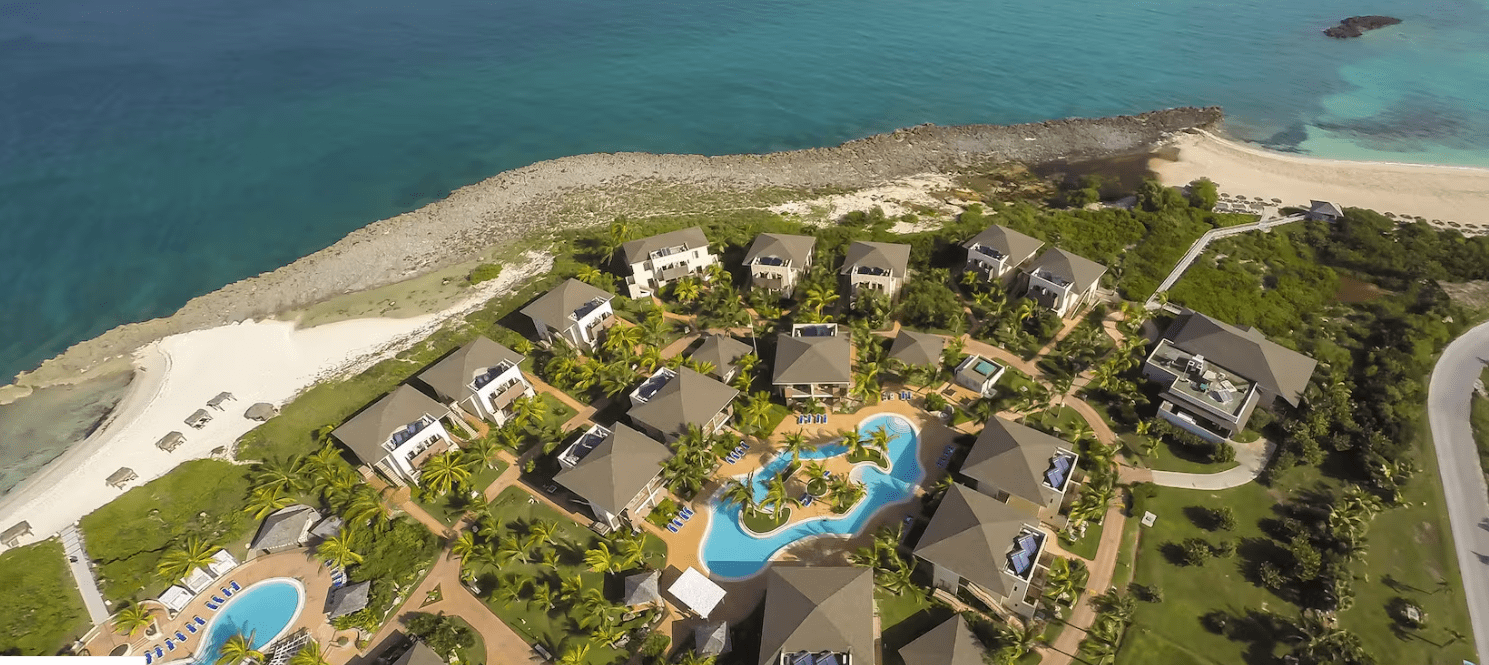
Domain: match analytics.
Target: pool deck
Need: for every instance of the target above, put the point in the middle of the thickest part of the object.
(298, 564)
(684, 547)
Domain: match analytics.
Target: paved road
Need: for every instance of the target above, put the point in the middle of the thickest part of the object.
(72, 544)
(1458, 464)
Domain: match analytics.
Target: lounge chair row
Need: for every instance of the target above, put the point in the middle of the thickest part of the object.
(946, 456)
(682, 516)
(216, 601)
(738, 453)
(157, 653)
(811, 419)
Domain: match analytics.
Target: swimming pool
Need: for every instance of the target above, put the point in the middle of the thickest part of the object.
(730, 551)
(266, 609)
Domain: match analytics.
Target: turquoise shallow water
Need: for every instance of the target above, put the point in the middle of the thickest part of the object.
(152, 150)
(732, 552)
(262, 610)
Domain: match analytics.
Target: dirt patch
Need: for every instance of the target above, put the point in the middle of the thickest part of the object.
(1472, 295)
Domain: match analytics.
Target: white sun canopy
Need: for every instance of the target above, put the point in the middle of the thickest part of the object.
(222, 562)
(175, 598)
(696, 592)
(198, 580)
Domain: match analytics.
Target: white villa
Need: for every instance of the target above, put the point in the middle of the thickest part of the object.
(483, 376)
(1062, 282)
(996, 254)
(616, 470)
(991, 550)
(574, 312)
(398, 433)
(877, 266)
(978, 373)
(777, 260)
(813, 362)
(662, 259)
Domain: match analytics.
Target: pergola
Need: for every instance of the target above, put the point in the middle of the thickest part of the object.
(696, 592)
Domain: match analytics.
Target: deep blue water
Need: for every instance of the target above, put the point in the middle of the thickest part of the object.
(153, 150)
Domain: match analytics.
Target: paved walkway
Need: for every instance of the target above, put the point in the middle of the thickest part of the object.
(77, 564)
(1448, 397)
(1198, 248)
(1252, 458)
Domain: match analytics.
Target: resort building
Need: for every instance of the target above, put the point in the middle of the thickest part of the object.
(397, 434)
(876, 266)
(776, 261)
(1062, 282)
(988, 549)
(721, 351)
(1215, 375)
(813, 362)
(1020, 466)
(286, 528)
(574, 312)
(818, 616)
(670, 401)
(917, 348)
(347, 599)
(996, 254)
(419, 653)
(483, 377)
(978, 373)
(662, 259)
(951, 642)
(1323, 211)
(616, 470)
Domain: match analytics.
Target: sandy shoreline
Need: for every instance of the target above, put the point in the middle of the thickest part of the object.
(257, 361)
(1446, 193)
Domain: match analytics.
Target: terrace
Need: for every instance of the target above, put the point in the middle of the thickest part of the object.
(1204, 384)
(819, 658)
(1062, 468)
(648, 388)
(492, 374)
(402, 436)
(582, 446)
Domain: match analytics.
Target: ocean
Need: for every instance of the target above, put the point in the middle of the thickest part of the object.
(154, 150)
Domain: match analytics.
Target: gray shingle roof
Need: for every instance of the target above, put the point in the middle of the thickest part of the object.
(1008, 242)
(419, 653)
(689, 398)
(285, 528)
(722, 351)
(642, 588)
(1244, 351)
(557, 307)
(366, 431)
(812, 360)
(1082, 272)
(818, 609)
(890, 256)
(794, 248)
(16, 531)
(971, 535)
(452, 376)
(1013, 458)
(616, 470)
(636, 251)
(347, 599)
(917, 348)
(950, 643)
(1324, 208)
(712, 639)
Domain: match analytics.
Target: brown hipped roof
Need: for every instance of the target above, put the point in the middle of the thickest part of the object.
(890, 256)
(556, 307)
(1013, 458)
(971, 535)
(917, 348)
(794, 248)
(451, 377)
(1080, 271)
(950, 643)
(1246, 352)
(722, 351)
(818, 609)
(1011, 244)
(636, 251)
(366, 431)
(616, 470)
(823, 359)
(689, 398)
(420, 654)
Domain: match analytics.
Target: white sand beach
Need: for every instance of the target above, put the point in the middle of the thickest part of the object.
(1446, 193)
(256, 361)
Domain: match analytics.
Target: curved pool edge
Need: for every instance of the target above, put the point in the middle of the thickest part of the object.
(290, 623)
(857, 469)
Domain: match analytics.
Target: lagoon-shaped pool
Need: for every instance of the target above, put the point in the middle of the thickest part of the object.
(264, 610)
(730, 551)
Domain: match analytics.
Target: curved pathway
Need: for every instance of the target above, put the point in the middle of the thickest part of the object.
(1448, 397)
(1251, 457)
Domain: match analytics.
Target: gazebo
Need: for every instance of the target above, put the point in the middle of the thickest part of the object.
(118, 478)
(712, 639)
(216, 402)
(199, 419)
(261, 412)
(696, 592)
(171, 441)
(642, 589)
(12, 537)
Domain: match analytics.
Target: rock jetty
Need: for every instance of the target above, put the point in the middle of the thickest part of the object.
(1355, 26)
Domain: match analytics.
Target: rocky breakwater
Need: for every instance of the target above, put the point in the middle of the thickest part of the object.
(1355, 26)
(530, 200)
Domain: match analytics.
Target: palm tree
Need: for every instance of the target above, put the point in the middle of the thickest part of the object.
(526, 410)
(609, 632)
(1116, 604)
(616, 378)
(776, 496)
(543, 596)
(1082, 431)
(818, 297)
(602, 559)
(845, 492)
(794, 444)
(754, 411)
(895, 579)
(692, 657)
(1021, 640)
(443, 472)
(649, 359)
(337, 551)
(574, 655)
(740, 492)
(621, 341)
(132, 619)
(285, 475)
(1065, 579)
(509, 588)
(814, 472)
(364, 504)
(464, 546)
(510, 549)
(687, 290)
(544, 530)
(238, 649)
(632, 549)
(879, 439)
(176, 563)
(266, 500)
(1025, 311)
(310, 654)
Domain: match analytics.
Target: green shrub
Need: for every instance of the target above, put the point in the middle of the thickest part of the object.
(485, 272)
(42, 607)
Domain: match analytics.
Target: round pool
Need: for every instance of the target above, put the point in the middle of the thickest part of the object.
(731, 551)
(265, 610)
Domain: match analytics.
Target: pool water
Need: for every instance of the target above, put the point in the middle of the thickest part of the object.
(730, 551)
(264, 610)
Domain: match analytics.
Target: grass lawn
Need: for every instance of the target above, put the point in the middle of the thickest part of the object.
(128, 536)
(555, 410)
(448, 508)
(476, 654)
(1173, 457)
(1084, 548)
(760, 521)
(1479, 419)
(905, 617)
(43, 611)
(554, 628)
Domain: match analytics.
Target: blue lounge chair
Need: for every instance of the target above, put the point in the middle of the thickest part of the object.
(169, 645)
(677, 522)
(149, 658)
(212, 606)
(180, 637)
(671, 528)
(226, 592)
(198, 621)
(806, 500)
(159, 653)
(234, 585)
(744, 446)
(800, 418)
(687, 513)
(191, 628)
(905, 395)
(217, 600)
